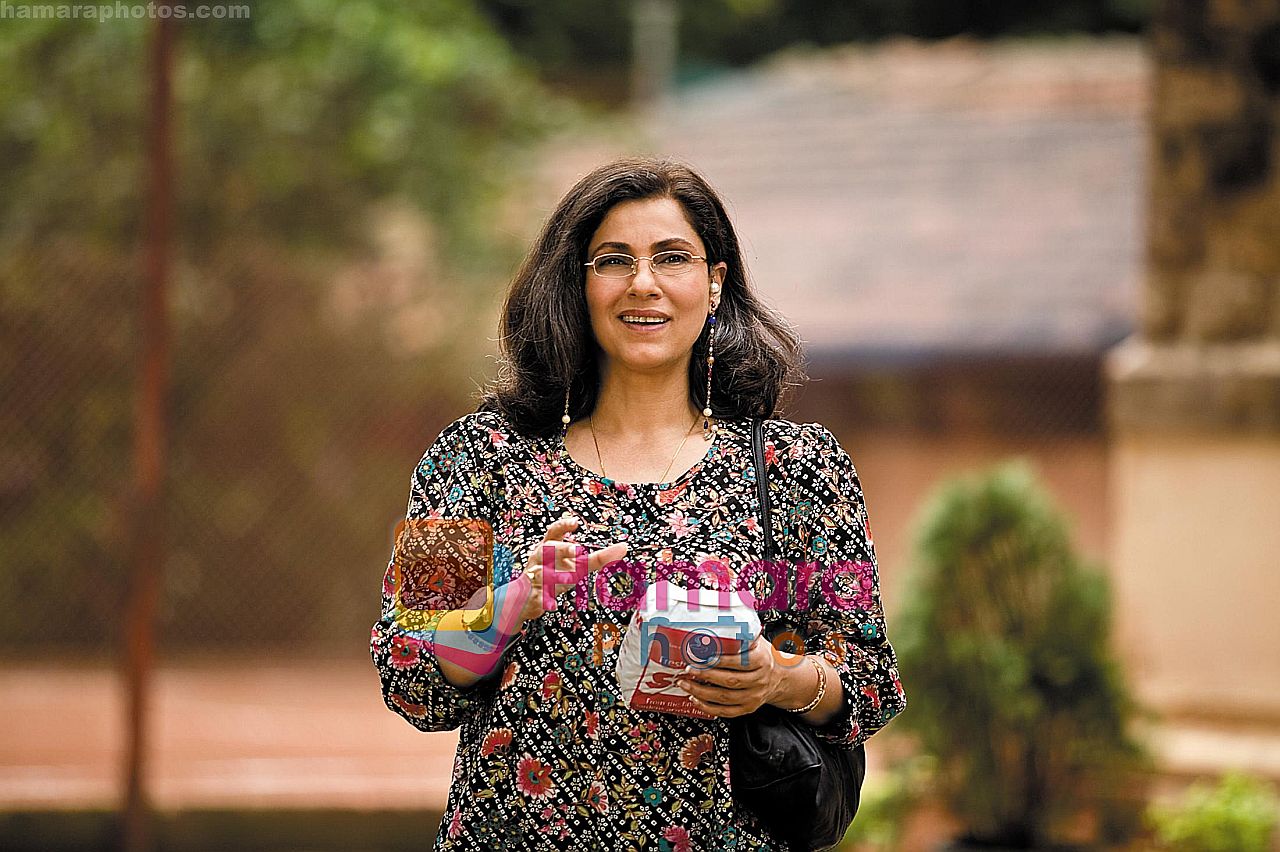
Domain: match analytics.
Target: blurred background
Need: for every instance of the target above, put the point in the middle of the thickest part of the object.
(251, 261)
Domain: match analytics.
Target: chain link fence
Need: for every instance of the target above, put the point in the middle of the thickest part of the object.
(294, 432)
(297, 411)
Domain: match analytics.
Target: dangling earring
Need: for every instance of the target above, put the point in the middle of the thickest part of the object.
(709, 426)
(564, 429)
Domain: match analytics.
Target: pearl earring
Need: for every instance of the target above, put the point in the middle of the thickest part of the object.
(709, 426)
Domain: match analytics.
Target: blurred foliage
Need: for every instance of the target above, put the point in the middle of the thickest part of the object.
(583, 43)
(1238, 814)
(288, 122)
(887, 803)
(340, 167)
(1004, 644)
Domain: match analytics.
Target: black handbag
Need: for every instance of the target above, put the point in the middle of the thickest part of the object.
(804, 790)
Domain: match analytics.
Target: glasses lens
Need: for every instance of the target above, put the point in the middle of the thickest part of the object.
(614, 265)
(672, 262)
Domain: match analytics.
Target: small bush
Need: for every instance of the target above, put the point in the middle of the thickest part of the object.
(1238, 814)
(1005, 644)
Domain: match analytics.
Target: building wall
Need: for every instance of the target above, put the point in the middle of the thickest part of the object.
(910, 428)
(1198, 539)
(899, 472)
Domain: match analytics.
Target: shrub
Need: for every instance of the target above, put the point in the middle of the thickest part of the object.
(1004, 645)
(1238, 814)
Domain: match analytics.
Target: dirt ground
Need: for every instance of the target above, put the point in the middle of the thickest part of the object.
(238, 732)
(282, 733)
(261, 733)
(246, 734)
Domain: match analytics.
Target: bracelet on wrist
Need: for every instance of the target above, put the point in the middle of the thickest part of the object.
(822, 689)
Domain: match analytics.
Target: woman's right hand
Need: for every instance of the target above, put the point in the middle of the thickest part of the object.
(562, 567)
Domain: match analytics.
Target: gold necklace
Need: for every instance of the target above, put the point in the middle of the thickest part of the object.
(604, 474)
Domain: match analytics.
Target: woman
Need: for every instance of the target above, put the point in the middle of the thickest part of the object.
(635, 356)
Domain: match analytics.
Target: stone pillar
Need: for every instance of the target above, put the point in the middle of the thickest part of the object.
(1194, 398)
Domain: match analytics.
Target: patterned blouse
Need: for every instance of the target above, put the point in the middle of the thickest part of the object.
(548, 756)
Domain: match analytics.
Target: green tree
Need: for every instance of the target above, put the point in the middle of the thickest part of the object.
(340, 167)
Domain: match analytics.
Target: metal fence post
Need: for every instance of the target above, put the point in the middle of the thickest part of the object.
(148, 505)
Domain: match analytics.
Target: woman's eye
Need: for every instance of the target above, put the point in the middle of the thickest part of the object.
(674, 260)
(612, 261)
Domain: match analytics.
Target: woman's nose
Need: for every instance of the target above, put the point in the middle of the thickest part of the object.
(644, 279)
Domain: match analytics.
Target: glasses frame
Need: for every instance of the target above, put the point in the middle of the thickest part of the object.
(635, 263)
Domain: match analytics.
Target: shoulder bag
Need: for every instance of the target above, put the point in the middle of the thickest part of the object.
(800, 787)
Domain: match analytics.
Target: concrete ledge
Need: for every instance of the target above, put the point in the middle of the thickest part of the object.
(1209, 749)
(1189, 388)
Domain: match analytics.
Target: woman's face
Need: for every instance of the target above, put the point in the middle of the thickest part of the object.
(642, 228)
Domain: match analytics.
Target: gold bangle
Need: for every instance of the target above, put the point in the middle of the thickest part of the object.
(822, 689)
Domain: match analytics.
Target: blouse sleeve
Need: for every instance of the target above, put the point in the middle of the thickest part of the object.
(454, 481)
(826, 522)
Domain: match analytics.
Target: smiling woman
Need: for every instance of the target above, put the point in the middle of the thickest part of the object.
(558, 301)
(631, 320)
(647, 321)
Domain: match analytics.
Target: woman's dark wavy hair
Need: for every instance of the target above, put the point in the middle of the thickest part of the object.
(547, 343)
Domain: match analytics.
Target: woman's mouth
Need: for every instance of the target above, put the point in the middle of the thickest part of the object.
(644, 324)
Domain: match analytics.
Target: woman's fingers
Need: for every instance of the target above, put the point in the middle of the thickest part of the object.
(560, 528)
(555, 550)
(717, 677)
(727, 709)
(605, 555)
(554, 539)
(730, 688)
(723, 683)
(565, 559)
(710, 694)
(567, 553)
(722, 700)
(535, 606)
(571, 568)
(758, 656)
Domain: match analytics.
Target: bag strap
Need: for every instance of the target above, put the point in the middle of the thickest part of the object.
(783, 624)
(762, 486)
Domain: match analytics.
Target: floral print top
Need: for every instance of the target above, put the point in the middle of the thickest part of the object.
(548, 756)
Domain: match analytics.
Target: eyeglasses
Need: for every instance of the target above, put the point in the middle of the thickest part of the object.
(669, 263)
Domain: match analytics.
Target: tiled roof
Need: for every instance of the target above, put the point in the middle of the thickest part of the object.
(908, 200)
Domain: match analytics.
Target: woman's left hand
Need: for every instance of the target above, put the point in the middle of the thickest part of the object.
(734, 686)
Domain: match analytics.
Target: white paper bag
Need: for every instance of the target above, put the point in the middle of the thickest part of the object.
(678, 629)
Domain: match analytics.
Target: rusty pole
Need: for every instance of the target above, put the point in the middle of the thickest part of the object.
(149, 441)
